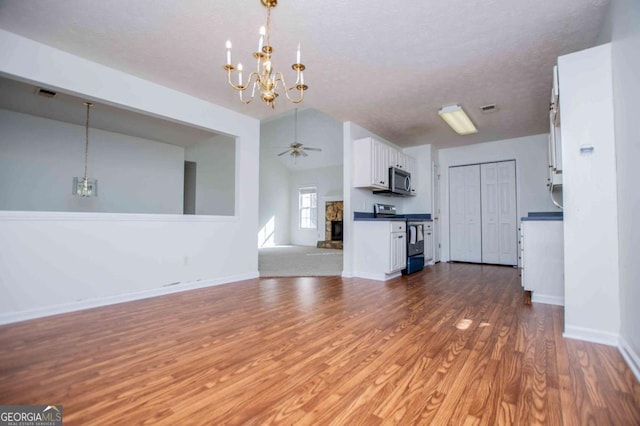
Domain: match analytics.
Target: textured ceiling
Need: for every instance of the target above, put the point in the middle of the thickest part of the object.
(387, 66)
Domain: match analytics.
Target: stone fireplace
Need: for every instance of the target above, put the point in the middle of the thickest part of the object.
(332, 225)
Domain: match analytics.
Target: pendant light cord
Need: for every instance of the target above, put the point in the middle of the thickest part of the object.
(86, 145)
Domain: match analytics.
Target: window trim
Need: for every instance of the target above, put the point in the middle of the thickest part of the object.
(308, 189)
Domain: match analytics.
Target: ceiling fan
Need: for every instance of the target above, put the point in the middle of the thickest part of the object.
(296, 149)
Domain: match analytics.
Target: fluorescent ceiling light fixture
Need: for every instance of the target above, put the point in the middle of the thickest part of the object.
(459, 121)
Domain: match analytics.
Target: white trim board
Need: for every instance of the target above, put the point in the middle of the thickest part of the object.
(590, 335)
(632, 358)
(546, 299)
(13, 317)
(376, 277)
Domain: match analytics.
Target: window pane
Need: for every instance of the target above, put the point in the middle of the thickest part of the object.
(307, 207)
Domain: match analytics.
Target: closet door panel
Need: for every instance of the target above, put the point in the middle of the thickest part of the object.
(508, 213)
(490, 213)
(465, 223)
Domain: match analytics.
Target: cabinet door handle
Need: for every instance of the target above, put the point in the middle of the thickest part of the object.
(400, 236)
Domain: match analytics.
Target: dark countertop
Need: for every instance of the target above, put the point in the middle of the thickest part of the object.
(542, 216)
(366, 216)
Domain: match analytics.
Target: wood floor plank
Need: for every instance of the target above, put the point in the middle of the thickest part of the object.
(452, 344)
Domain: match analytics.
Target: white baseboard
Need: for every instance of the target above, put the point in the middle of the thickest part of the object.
(80, 305)
(347, 274)
(590, 335)
(629, 355)
(376, 277)
(546, 299)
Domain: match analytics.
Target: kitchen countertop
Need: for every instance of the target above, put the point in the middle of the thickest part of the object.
(366, 216)
(542, 216)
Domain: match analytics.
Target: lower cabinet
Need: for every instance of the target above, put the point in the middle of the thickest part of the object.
(543, 260)
(428, 242)
(380, 249)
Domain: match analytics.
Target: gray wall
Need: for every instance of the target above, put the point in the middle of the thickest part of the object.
(626, 92)
(39, 158)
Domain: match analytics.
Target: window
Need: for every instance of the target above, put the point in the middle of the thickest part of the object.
(307, 207)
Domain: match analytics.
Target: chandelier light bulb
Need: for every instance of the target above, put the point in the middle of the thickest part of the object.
(261, 41)
(228, 52)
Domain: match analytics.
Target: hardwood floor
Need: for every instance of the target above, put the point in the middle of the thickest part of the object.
(453, 344)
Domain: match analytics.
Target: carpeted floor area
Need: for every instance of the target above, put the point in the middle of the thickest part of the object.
(299, 261)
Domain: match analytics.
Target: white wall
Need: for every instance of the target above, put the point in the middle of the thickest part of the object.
(530, 153)
(592, 299)
(274, 198)
(278, 192)
(39, 158)
(215, 175)
(328, 181)
(421, 179)
(626, 92)
(55, 262)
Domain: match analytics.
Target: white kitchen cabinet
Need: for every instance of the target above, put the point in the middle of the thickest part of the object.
(555, 139)
(543, 260)
(411, 165)
(380, 249)
(398, 159)
(398, 252)
(370, 164)
(428, 242)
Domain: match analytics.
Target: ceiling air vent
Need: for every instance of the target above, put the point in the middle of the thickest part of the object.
(46, 93)
(489, 108)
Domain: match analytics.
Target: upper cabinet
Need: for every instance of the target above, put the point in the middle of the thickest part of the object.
(412, 167)
(372, 160)
(398, 159)
(555, 141)
(370, 164)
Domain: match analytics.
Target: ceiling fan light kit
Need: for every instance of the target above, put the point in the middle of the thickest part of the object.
(264, 79)
(296, 149)
(457, 119)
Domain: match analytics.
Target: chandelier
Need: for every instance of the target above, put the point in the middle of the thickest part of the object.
(85, 186)
(264, 79)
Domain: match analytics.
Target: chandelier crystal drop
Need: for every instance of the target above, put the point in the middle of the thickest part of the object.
(264, 79)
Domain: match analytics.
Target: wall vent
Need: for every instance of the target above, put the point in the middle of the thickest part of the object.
(489, 108)
(45, 93)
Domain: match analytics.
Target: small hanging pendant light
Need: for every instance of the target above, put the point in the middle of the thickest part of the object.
(86, 186)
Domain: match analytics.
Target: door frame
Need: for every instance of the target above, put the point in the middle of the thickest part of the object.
(517, 200)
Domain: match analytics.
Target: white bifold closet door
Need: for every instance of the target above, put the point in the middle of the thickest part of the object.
(499, 218)
(482, 213)
(464, 214)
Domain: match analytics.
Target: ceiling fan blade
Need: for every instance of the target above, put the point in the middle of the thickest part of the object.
(283, 153)
(304, 154)
(312, 149)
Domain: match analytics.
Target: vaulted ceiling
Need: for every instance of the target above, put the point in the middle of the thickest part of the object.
(388, 66)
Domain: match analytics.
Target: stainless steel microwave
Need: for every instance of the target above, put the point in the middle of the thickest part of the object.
(399, 181)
